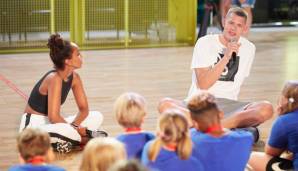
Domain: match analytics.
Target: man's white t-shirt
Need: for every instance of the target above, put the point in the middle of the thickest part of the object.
(208, 51)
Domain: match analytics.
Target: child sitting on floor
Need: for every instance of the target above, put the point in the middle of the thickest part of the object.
(172, 148)
(284, 135)
(130, 110)
(35, 151)
(218, 149)
(102, 153)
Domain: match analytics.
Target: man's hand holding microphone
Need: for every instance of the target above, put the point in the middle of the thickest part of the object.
(232, 48)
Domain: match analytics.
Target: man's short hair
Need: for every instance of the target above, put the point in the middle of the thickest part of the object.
(33, 142)
(237, 11)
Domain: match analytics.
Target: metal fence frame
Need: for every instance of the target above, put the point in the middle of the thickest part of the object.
(181, 20)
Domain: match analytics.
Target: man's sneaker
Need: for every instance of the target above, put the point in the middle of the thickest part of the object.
(253, 130)
(96, 133)
(62, 147)
(259, 146)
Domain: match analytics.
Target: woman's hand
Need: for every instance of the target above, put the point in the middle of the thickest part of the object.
(82, 131)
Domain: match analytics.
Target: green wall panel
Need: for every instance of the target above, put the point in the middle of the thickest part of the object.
(96, 24)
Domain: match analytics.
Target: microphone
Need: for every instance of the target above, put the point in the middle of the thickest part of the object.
(233, 40)
(234, 56)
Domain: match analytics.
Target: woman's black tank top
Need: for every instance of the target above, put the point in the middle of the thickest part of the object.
(39, 102)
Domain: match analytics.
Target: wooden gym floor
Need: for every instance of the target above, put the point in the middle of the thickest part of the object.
(154, 73)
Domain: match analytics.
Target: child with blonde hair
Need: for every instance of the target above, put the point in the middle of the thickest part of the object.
(172, 149)
(130, 110)
(284, 135)
(101, 153)
(35, 151)
(128, 165)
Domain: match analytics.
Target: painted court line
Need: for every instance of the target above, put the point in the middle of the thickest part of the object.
(13, 87)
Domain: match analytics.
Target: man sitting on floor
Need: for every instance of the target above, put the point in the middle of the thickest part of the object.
(220, 64)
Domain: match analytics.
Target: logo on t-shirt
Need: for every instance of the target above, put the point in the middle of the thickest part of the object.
(230, 70)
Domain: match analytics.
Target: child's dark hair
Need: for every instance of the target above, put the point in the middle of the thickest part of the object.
(290, 92)
(59, 50)
(202, 103)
